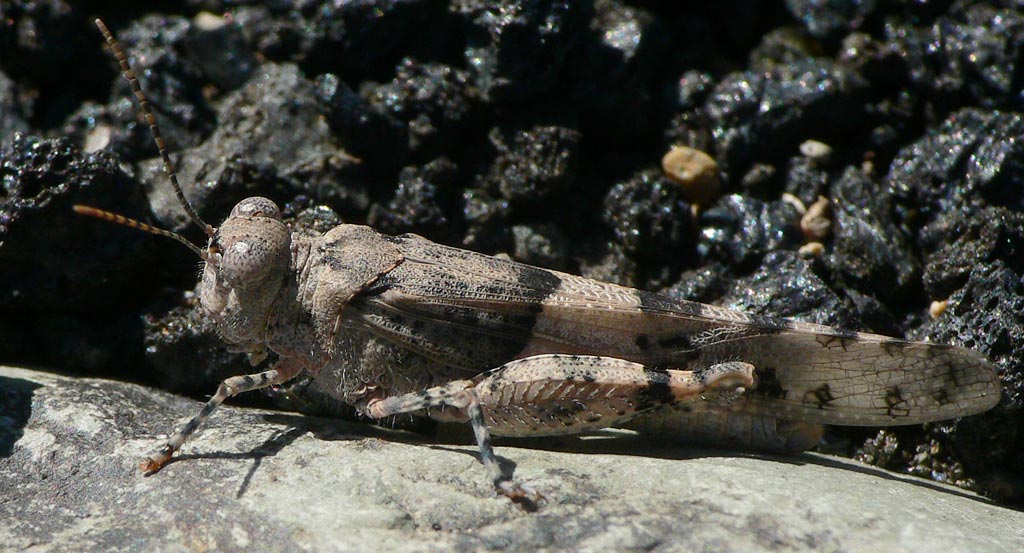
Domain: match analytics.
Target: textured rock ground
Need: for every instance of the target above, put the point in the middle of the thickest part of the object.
(264, 481)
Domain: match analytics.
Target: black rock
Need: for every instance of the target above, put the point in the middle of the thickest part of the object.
(173, 81)
(257, 151)
(222, 53)
(830, 20)
(651, 220)
(973, 238)
(756, 116)
(871, 252)
(357, 40)
(738, 231)
(486, 219)
(66, 278)
(184, 352)
(46, 51)
(367, 130)
(542, 245)
(974, 157)
(534, 165)
(424, 201)
(783, 46)
(517, 50)
(436, 102)
(705, 285)
(805, 178)
(39, 233)
(619, 79)
(971, 56)
(987, 315)
(14, 109)
(785, 285)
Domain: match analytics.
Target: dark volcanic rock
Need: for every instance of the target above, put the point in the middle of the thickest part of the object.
(13, 109)
(486, 218)
(367, 130)
(987, 314)
(257, 151)
(650, 218)
(806, 179)
(185, 354)
(785, 285)
(65, 277)
(971, 56)
(534, 165)
(973, 156)
(221, 51)
(739, 230)
(424, 201)
(829, 20)
(47, 52)
(518, 50)
(625, 56)
(362, 40)
(755, 116)
(872, 254)
(435, 101)
(974, 238)
(172, 76)
(542, 245)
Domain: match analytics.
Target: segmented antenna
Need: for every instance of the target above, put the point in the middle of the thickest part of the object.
(126, 70)
(132, 223)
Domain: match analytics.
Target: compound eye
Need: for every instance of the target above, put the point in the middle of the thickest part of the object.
(256, 206)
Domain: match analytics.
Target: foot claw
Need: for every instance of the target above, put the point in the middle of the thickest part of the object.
(155, 462)
(149, 466)
(521, 495)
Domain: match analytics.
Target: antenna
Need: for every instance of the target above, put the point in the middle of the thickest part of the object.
(132, 223)
(129, 75)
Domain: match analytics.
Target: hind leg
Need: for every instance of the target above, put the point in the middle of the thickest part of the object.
(563, 394)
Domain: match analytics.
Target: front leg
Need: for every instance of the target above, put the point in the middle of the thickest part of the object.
(284, 370)
(564, 394)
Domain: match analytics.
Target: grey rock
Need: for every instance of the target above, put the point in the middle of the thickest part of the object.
(258, 480)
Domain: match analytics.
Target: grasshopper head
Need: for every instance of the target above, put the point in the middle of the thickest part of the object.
(247, 258)
(247, 261)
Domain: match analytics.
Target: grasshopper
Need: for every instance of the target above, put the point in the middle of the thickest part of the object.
(401, 325)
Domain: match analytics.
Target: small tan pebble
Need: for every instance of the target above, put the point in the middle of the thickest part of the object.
(97, 139)
(792, 200)
(867, 167)
(695, 170)
(758, 177)
(937, 308)
(812, 249)
(206, 21)
(816, 223)
(816, 151)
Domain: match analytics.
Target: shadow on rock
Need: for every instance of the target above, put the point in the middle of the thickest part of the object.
(15, 410)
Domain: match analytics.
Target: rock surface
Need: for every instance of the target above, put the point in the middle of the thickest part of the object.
(260, 480)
